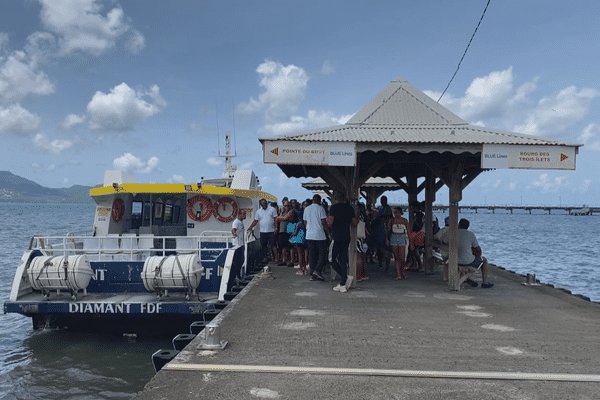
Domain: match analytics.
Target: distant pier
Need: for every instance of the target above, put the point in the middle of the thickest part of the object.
(570, 210)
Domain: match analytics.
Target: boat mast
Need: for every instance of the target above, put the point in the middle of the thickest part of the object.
(229, 167)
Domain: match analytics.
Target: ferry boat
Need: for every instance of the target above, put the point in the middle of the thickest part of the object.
(159, 257)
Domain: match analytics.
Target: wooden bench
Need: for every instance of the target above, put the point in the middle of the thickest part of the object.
(464, 273)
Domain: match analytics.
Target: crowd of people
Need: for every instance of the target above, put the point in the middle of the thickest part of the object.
(313, 234)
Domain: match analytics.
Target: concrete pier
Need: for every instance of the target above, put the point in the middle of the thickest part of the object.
(290, 338)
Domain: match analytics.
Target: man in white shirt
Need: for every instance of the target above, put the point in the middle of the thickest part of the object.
(315, 221)
(237, 228)
(265, 216)
(469, 253)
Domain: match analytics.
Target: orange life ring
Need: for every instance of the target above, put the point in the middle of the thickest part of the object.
(221, 205)
(118, 210)
(205, 208)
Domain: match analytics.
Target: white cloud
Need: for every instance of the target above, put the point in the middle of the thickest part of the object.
(3, 42)
(20, 77)
(486, 97)
(136, 42)
(327, 68)
(494, 97)
(177, 178)
(72, 120)
(17, 120)
(214, 161)
(130, 163)
(80, 26)
(589, 137)
(40, 46)
(55, 147)
(313, 120)
(548, 184)
(284, 88)
(123, 107)
(554, 114)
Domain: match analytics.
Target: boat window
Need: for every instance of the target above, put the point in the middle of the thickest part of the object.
(136, 208)
(136, 214)
(168, 213)
(158, 211)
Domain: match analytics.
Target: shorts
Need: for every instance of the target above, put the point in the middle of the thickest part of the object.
(267, 239)
(477, 263)
(397, 239)
(283, 240)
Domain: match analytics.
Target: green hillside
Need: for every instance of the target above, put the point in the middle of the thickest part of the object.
(14, 188)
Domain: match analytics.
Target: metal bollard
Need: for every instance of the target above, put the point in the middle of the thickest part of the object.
(212, 338)
(531, 281)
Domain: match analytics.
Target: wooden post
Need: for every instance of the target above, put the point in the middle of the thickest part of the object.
(429, 199)
(454, 197)
(412, 196)
(353, 194)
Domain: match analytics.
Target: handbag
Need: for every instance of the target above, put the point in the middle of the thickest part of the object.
(361, 233)
(291, 227)
(298, 238)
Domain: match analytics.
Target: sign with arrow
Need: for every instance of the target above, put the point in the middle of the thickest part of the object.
(505, 156)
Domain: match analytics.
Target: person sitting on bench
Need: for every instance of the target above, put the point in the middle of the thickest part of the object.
(469, 253)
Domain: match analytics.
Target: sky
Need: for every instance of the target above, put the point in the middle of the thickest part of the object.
(151, 87)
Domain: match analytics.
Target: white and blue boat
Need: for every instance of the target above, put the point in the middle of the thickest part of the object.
(158, 258)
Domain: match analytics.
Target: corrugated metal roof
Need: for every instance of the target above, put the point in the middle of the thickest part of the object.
(400, 103)
(401, 113)
(319, 183)
(463, 134)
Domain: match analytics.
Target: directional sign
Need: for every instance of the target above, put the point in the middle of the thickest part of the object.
(527, 157)
(309, 153)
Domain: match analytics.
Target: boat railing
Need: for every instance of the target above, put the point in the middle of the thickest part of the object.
(132, 247)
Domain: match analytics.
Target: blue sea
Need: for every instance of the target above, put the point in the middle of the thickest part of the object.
(58, 364)
(562, 250)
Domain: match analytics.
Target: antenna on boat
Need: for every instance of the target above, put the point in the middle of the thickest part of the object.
(233, 117)
(217, 112)
(229, 167)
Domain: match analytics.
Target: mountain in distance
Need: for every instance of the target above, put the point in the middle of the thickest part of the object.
(14, 188)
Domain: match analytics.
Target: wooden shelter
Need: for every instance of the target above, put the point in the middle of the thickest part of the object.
(404, 134)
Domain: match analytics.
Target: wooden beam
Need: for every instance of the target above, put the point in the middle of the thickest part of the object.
(334, 178)
(401, 183)
(468, 178)
(440, 172)
(421, 186)
(438, 185)
(372, 170)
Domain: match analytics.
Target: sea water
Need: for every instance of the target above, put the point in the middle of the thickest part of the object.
(51, 364)
(562, 250)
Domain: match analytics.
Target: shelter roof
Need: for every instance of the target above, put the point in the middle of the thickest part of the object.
(375, 182)
(403, 132)
(401, 113)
